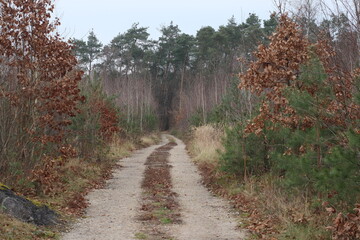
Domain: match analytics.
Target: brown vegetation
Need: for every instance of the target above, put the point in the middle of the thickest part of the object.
(38, 85)
(266, 209)
(160, 205)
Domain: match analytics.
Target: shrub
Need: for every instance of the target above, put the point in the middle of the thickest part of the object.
(38, 84)
(242, 155)
(97, 121)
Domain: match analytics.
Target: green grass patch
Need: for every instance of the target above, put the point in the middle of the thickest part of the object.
(165, 220)
(140, 235)
(304, 232)
(161, 212)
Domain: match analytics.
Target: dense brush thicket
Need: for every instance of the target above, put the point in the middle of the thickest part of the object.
(306, 127)
(46, 116)
(38, 86)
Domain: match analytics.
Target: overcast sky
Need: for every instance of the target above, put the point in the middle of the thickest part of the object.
(111, 17)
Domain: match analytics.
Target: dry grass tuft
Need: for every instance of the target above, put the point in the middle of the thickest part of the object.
(149, 140)
(121, 148)
(205, 144)
(287, 207)
(11, 228)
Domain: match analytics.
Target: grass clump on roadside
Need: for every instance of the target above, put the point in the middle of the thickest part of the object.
(150, 139)
(11, 229)
(171, 139)
(121, 148)
(205, 144)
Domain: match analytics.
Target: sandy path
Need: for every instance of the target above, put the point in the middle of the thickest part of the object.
(204, 216)
(112, 211)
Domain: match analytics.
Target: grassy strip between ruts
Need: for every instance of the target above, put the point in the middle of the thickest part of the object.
(76, 178)
(160, 205)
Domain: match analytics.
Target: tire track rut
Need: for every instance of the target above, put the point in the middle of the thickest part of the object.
(113, 210)
(156, 195)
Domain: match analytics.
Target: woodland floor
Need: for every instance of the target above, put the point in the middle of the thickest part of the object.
(156, 194)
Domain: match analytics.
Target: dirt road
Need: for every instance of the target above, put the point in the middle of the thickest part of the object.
(114, 211)
(205, 217)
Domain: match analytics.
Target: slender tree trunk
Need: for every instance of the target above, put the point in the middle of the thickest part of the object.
(128, 99)
(203, 100)
(266, 155)
(137, 105)
(141, 117)
(181, 89)
(318, 147)
(357, 16)
(243, 148)
(216, 90)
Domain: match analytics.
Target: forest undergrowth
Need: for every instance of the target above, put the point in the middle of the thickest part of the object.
(290, 138)
(74, 180)
(61, 135)
(266, 209)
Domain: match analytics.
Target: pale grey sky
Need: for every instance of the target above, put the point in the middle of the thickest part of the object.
(110, 17)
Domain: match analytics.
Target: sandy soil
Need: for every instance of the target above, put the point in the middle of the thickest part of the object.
(204, 216)
(113, 211)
